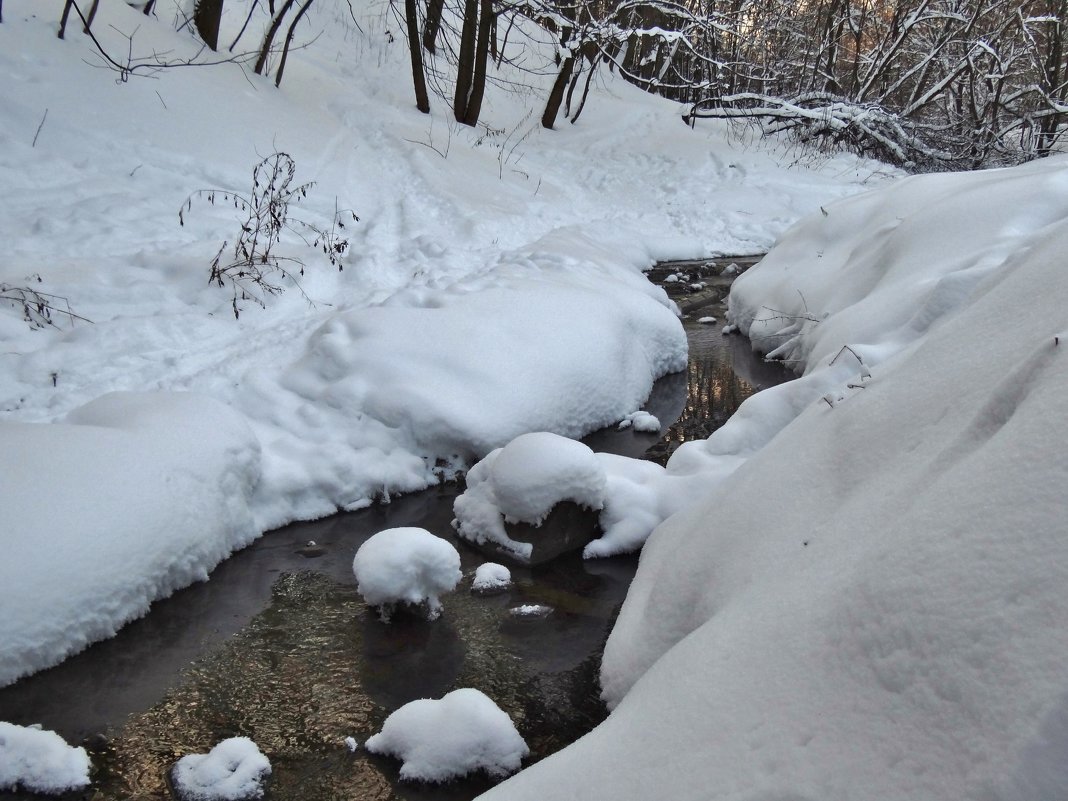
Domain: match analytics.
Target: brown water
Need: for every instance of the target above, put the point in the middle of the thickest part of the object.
(278, 646)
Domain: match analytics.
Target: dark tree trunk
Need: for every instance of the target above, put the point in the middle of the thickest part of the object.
(268, 39)
(207, 15)
(465, 65)
(411, 19)
(151, 4)
(289, 41)
(478, 83)
(91, 17)
(433, 24)
(63, 19)
(556, 96)
(585, 93)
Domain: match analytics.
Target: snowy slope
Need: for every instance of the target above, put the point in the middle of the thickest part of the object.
(493, 283)
(873, 605)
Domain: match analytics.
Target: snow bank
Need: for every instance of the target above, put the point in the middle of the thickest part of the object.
(438, 740)
(234, 770)
(873, 603)
(490, 577)
(134, 496)
(40, 761)
(406, 565)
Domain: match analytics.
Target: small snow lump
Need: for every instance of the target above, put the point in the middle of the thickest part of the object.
(437, 740)
(40, 761)
(406, 565)
(641, 422)
(234, 770)
(491, 576)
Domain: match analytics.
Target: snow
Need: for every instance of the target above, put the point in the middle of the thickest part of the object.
(642, 422)
(437, 740)
(530, 610)
(873, 601)
(706, 320)
(233, 770)
(40, 761)
(406, 565)
(522, 482)
(490, 577)
(158, 483)
(487, 293)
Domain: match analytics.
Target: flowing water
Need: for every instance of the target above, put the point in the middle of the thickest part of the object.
(278, 645)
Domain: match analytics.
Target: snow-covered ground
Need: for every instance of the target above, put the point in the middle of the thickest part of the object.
(873, 604)
(492, 288)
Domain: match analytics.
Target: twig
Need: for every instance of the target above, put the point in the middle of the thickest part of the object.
(39, 127)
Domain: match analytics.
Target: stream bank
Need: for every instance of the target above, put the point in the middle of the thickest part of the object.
(278, 645)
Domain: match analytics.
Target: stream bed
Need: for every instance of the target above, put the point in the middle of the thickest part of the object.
(278, 645)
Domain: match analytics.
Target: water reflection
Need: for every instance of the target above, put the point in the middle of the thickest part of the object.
(722, 372)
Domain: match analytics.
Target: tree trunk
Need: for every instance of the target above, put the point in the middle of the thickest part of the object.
(478, 83)
(206, 17)
(91, 17)
(411, 19)
(268, 39)
(63, 19)
(556, 96)
(465, 65)
(289, 40)
(149, 6)
(433, 24)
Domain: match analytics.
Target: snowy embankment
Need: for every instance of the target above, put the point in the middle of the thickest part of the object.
(492, 287)
(873, 605)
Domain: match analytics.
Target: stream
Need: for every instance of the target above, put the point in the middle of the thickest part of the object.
(279, 646)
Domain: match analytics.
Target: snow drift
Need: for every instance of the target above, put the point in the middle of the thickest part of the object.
(873, 604)
(134, 496)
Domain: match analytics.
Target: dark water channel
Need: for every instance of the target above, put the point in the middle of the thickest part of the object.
(278, 645)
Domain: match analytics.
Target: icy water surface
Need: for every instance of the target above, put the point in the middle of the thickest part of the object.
(278, 646)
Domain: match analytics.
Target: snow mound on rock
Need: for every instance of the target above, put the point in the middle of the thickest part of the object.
(438, 740)
(40, 761)
(491, 576)
(522, 482)
(406, 565)
(642, 422)
(234, 770)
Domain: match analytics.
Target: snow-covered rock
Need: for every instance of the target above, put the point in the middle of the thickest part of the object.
(531, 610)
(406, 565)
(642, 422)
(463, 732)
(706, 320)
(40, 761)
(490, 577)
(522, 482)
(234, 770)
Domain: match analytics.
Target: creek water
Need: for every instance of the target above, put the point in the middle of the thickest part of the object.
(278, 645)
